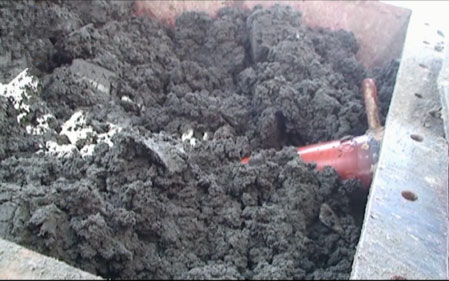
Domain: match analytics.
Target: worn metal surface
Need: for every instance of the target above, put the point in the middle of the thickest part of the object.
(405, 231)
(443, 85)
(17, 262)
(378, 27)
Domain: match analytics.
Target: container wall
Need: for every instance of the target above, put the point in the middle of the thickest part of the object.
(380, 28)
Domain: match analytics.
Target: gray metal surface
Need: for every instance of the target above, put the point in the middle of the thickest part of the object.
(443, 85)
(405, 231)
(17, 262)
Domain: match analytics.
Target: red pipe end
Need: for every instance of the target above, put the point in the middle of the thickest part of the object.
(245, 160)
(352, 158)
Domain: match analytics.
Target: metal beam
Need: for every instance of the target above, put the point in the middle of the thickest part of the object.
(17, 262)
(405, 230)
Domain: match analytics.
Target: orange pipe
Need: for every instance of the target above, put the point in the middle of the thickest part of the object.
(371, 104)
(354, 158)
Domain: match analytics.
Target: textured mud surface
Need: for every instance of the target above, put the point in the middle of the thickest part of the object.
(126, 162)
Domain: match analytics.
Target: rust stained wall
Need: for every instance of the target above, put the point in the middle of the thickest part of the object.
(380, 28)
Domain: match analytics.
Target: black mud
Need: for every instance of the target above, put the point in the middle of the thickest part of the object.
(154, 206)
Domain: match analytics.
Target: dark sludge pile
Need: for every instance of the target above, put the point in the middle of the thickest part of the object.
(122, 155)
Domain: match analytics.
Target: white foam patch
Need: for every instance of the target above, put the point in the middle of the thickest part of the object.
(188, 136)
(65, 150)
(75, 128)
(42, 125)
(18, 89)
(126, 99)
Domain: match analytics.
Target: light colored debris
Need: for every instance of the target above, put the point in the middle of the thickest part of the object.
(328, 217)
(18, 90)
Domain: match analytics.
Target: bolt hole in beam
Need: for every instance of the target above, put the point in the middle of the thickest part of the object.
(398, 277)
(418, 95)
(422, 65)
(417, 138)
(408, 195)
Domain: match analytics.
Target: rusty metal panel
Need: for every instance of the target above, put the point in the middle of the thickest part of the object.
(405, 231)
(379, 28)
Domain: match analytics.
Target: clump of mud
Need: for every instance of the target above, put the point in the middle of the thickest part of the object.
(124, 159)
